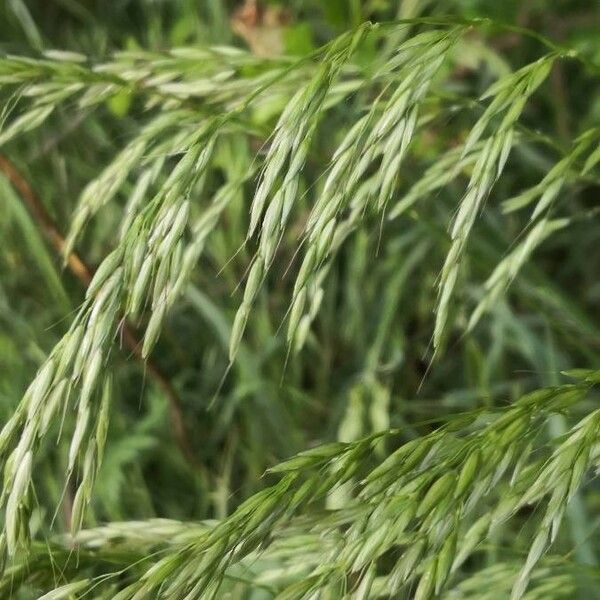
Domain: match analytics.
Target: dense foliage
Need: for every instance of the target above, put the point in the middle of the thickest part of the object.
(299, 300)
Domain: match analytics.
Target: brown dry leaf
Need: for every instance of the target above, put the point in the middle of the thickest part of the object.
(261, 27)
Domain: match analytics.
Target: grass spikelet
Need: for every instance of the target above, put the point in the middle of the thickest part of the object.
(13, 517)
(506, 270)
(509, 101)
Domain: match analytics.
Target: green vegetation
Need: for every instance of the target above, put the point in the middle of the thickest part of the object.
(299, 301)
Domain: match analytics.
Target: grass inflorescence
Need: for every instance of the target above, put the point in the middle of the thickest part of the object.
(418, 502)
